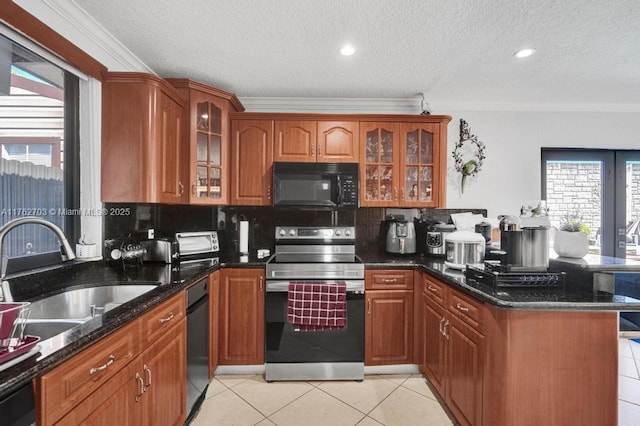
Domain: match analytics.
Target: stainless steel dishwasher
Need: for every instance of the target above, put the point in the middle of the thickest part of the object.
(197, 345)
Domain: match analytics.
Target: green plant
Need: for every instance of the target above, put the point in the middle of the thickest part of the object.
(573, 223)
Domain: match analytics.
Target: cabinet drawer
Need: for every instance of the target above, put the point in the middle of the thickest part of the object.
(162, 317)
(68, 384)
(389, 279)
(467, 309)
(434, 289)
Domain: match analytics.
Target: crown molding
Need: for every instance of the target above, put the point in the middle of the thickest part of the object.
(73, 23)
(442, 107)
(414, 106)
(332, 105)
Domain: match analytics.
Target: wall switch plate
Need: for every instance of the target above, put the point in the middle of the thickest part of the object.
(151, 234)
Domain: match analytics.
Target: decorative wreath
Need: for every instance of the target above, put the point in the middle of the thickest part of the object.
(463, 164)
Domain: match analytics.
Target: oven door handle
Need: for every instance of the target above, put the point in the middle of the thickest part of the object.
(283, 286)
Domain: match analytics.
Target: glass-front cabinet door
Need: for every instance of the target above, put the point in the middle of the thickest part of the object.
(418, 164)
(209, 165)
(379, 169)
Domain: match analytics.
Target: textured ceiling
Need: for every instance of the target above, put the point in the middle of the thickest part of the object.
(588, 51)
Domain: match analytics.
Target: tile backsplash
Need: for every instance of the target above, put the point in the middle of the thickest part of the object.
(166, 220)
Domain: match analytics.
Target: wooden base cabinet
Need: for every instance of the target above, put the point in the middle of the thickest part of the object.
(551, 368)
(131, 377)
(453, 350)
(241, 316)
(214, 321)
(503, 367)
(389, 317)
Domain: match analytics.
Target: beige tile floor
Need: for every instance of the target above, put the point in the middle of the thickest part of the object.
(379, 400)
(393, 400)
(629, 383)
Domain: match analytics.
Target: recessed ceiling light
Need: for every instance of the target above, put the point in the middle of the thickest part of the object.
(348, 50)
(523, 53)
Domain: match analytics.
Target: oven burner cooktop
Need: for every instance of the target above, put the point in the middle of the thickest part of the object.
(315, 253)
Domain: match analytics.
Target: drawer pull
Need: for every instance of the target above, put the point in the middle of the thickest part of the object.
(445, 329)
(389, 280)
(462, 308)
(167, 319)
(104, 366)
(146, 369)
(432, 288)
(441, 328)
(139, 378)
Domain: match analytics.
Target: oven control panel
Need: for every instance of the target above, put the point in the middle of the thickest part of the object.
(313, 233)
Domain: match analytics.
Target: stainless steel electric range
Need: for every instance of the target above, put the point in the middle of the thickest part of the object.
(314, 255)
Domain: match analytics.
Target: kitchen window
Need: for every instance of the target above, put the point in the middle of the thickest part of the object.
(39, 156)
(602, 187)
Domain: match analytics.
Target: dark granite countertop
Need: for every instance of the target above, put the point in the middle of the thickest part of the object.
(172, 279)
(577, 294)
(41, 283)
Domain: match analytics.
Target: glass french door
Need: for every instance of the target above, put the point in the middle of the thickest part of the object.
(628, 212)
(600, 187)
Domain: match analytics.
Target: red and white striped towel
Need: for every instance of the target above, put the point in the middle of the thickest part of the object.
(317, 306)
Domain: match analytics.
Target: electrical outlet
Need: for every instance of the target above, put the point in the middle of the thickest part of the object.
(151, 234)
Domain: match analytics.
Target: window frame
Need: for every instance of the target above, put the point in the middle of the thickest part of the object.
(71, 170)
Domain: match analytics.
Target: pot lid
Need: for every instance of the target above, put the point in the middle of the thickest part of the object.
(442, 227)
(465, 237)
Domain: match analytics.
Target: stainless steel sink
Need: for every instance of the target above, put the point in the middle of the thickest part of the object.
(85, 303)
(47, 329)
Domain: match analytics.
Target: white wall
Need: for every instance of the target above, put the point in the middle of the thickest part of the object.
(511, 171)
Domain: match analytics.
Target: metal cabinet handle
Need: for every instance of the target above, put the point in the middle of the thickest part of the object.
(319, 150)
(444, 328)
(441, 329)
(462, 308)
(395, 193)
(148, 371)
(167, 319)
(389, 280)
(268, 192)
(193, 189)
(313, 150)
(261, 281)
(369, 305)
(402, 194)
(104, 366)
(139, 378)
(181, 186)
(432, 288)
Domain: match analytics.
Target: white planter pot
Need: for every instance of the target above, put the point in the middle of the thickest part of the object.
(571, 244)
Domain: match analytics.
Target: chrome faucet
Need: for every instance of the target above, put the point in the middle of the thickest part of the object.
(66, 250)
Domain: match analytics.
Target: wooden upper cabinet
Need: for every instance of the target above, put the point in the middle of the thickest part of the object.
(206, 134)
(379, 164)
(403, 163)
(316, 141)
(251, 162)
(420, 165)
(142, 149)
(338, 142)
(295, 141)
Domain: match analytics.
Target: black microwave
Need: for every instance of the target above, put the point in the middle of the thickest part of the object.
(315, 185)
